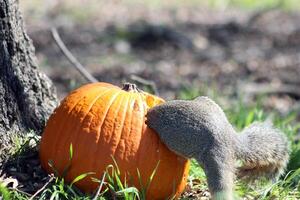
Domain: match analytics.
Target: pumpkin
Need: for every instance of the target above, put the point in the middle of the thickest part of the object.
(105, 123)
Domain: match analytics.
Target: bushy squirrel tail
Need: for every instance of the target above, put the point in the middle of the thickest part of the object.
(263, 151)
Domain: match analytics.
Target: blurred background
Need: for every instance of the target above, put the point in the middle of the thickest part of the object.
(235, 50)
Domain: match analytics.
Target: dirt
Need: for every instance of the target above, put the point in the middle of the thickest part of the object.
(231, 53)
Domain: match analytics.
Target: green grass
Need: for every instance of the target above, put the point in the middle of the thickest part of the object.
(23, 143)
(240, 115)
(288, 186)
(4, 192)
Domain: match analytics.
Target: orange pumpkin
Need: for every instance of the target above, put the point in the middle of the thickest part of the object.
(102, 121)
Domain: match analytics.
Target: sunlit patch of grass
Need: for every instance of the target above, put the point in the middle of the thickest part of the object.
(4, 192)
(60, 190)
(196, 171)
(23, 143)
(242, 115)
(287, 187)
(116, 187)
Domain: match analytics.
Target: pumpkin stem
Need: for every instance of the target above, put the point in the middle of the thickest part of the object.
(130, 87)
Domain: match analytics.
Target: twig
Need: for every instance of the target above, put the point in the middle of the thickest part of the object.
(20, 191)
(100, 187)
(143, 81)
(71, 58)
(42, 188)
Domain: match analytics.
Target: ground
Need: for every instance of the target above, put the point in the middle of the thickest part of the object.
(234, 52)
(186, 50)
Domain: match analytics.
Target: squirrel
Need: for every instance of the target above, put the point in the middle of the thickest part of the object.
(200, 129)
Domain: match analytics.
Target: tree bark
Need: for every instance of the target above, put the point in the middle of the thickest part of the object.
(27, 96)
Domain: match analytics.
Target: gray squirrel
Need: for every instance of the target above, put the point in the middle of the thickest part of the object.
(199, 129)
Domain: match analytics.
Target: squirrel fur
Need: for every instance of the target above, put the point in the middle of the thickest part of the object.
(199, 129)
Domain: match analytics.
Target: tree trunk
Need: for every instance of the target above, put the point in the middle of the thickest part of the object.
(27, 96)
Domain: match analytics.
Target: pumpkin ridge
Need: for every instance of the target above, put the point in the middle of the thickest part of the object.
(123, 123)
(99, 131)
(75, 142)
(61, 141)
(106, 112)
(131, 132)
(141, 131)
(124, 98)
(127, 146)
(52, 150)
(119, 108)
(115, 121)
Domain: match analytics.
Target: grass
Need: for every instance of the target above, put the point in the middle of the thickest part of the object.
(241, 116)
(5, 193)
(287, 187)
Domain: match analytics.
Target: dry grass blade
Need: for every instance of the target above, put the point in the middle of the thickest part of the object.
(42, 188)
(100, 187)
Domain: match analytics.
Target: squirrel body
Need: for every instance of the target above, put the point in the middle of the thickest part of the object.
(200, 129)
